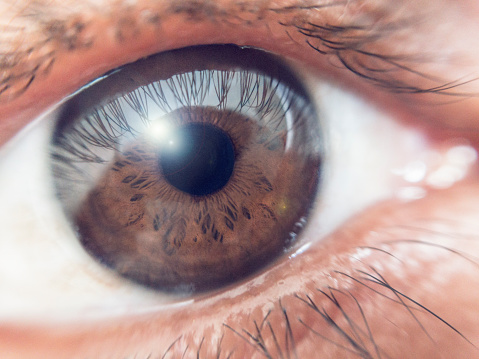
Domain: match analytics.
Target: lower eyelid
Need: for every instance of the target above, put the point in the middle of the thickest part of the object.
(340, 271)
(334, 265)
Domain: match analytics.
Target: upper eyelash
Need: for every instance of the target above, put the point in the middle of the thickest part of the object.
(20, 70)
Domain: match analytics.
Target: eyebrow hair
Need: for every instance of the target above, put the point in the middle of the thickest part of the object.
(37, 34)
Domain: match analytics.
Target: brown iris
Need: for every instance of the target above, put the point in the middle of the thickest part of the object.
(148, 230)
(197, 195)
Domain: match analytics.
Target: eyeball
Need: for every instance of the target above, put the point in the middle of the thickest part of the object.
(191, 169)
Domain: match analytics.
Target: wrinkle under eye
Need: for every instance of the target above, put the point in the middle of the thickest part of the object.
(172, 220)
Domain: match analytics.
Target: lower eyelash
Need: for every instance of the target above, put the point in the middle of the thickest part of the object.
(274, 334)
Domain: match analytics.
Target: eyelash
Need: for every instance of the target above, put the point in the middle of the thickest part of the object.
(108, 123)
(323, 35)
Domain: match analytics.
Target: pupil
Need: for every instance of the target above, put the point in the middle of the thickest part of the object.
(198, 159)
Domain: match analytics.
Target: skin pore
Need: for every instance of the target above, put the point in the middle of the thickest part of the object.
(414, 295)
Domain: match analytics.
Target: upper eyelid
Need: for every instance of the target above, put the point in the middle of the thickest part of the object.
(353, 42)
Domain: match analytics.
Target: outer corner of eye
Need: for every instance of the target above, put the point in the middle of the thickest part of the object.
(182, 173)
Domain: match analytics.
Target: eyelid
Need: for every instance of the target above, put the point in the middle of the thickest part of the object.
(73, 51)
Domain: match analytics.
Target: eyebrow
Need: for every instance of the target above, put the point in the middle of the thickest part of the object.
(37, 34)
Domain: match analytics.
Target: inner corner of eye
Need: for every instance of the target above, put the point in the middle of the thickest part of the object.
(191, 169)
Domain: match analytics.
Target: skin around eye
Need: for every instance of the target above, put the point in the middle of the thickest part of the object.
(379, 285)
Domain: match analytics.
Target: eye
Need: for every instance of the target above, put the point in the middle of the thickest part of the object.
(351, 144)
(386, 266)
(195, 175)
(95, 123)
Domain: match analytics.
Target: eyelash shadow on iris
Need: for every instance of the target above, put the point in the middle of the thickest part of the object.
(191, 169)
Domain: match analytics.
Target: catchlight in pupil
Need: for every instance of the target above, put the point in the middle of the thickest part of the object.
(197, 159)
(190, 169)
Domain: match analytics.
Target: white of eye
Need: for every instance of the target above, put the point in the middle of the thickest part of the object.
(46, 275)
(366, 148)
